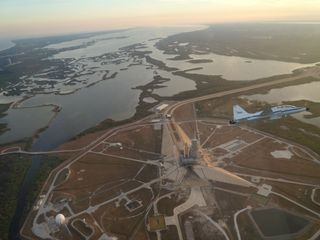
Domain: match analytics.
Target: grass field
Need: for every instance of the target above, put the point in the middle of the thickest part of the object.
(12, 171)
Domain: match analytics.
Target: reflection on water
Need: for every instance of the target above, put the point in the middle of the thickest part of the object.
(113, 98)
(308, 91)
(231, 67)
(25, 122)
(238, 68)
(174, 86)
(116, 98)
(313, 121)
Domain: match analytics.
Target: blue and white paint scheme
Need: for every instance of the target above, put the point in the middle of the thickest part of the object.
(239, 114)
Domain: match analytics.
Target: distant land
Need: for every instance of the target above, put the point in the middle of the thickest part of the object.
(283, 42)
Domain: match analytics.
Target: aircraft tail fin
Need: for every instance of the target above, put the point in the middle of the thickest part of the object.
(239, 113)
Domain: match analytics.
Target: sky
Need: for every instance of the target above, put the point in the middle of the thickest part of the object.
(46, 17)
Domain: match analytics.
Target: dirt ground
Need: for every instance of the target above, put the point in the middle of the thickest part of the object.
(205, 130)
(81, 141)
(145, 138)
(170, 234)
(299, 193)
(226, 134)
(104, 174)
(90, 221)
(118, 221)
(166, 205)
(189, 128)
(258, 156)
(132, 153)
(185, 113)
(201, 227)
(80, 184)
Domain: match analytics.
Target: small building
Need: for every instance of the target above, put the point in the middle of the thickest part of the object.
(116, 144)
(265, 190)
(155, 120)
(162, 107)
(190, 153)
(168, 116)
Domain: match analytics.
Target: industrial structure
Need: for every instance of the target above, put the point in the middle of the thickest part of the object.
(190, 153)
(60, 219)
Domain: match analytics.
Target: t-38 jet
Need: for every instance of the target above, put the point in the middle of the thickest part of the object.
(239, 114)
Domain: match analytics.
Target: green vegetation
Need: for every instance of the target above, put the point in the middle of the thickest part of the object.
(12, 172)
(200, 61)
(48, 163)
(3, 109)
(141, 111)
(284, 42)
(29, 57)
(161, 65)
(207, 84)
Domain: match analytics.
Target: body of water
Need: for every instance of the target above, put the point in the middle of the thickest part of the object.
(113, 98)
(23, 123)
(116, 98)
(5, 44)
(231, 67)
(283, 223)
(307, 91)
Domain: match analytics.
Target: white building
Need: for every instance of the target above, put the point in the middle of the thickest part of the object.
(265, 190)
(161, 107)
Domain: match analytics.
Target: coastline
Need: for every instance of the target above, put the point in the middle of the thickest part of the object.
(113, 125)
(143, 109)
(6, 44)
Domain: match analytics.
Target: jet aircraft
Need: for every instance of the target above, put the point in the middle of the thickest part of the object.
(239, 114)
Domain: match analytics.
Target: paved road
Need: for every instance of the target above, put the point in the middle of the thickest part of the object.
(296, 203)
(276, 179)
(195, 198)
(313, 197)
(235, 216)
(215, 224)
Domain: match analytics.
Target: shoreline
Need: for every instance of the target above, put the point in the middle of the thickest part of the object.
(3, 42)
(174, 106)
(205, 84)
(31, 139)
